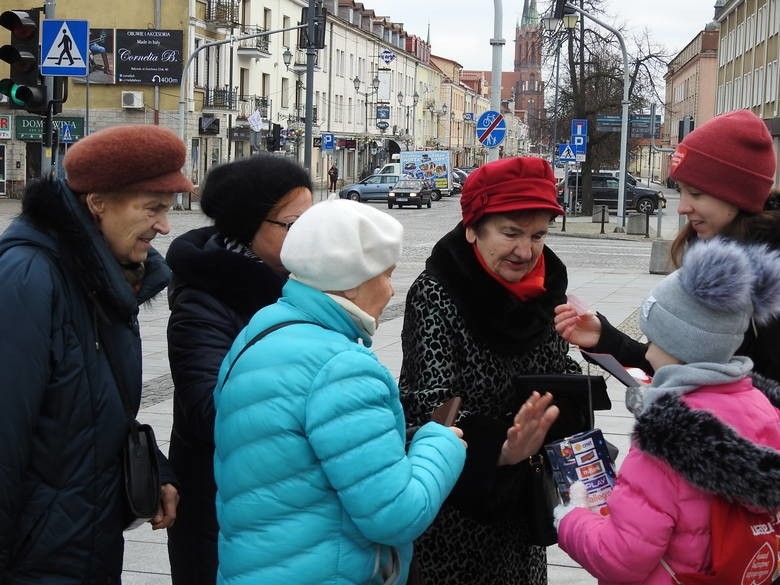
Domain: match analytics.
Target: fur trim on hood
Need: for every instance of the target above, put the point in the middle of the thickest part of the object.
(710, 454)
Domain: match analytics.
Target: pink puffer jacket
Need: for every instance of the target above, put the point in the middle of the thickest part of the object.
(655, 513)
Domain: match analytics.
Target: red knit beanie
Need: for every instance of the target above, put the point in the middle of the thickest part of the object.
(730, 157)
(510, 184)
(140, 157)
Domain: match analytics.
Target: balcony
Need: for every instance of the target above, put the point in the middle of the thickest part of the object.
(222, 13)
(220, 98)
(248, 104)
(256, 48)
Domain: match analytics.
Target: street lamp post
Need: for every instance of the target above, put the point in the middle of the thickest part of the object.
(438, 113)
(402, 102)
(298, 70)
(551, 25)
(370, 90)
(621, 212)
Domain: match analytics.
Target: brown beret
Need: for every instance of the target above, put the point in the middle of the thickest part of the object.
(140, 157)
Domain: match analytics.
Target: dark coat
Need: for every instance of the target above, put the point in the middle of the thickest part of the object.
(213, 294)
(466, 335)
(760, 343)
(62, 422)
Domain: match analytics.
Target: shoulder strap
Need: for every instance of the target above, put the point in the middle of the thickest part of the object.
(257, 338)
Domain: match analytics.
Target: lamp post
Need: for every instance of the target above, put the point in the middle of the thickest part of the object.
(370, 90)
(402, 102)
(621, 212)
(438, 113)
(298, 70)
(551, 25)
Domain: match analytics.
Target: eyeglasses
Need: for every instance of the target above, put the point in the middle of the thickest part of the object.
(286, 226)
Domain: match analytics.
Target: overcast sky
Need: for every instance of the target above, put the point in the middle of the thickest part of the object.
(461, 29)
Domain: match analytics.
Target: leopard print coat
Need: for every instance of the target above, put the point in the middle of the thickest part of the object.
(465, 335)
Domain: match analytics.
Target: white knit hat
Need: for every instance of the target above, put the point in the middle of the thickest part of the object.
(339, 244)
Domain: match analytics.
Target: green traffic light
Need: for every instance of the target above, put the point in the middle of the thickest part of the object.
(12, 90)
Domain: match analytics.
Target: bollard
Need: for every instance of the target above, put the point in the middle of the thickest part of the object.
(647, 224)
(603, 213)
(563, 223)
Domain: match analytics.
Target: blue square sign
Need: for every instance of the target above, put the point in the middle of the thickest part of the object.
(64, 47)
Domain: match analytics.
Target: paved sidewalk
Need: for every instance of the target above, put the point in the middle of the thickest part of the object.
(616, 292)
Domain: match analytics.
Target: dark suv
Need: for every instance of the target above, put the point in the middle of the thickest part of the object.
(605, 192)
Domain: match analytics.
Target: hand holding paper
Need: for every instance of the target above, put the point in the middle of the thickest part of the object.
(577, 324)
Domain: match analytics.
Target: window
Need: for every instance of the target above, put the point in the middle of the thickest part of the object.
(721, 98)
(758, 89)
(740, 39)
(286, 34)
(285, 97)
(747, 90)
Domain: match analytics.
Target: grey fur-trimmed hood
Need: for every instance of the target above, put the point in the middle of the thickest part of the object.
(710, 454)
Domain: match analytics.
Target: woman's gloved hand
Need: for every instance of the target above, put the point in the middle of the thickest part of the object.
(578, 498)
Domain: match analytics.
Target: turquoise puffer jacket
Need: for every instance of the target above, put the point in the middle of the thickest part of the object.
(313, 478)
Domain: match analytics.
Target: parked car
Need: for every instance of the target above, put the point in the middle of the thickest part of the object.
(372, 188)
(630, 179)
(605, 192)
(459, 175)
(409, 192)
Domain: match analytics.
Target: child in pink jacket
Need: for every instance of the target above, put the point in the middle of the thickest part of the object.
(704, 428)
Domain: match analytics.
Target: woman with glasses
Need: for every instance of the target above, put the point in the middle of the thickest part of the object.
(222, 275)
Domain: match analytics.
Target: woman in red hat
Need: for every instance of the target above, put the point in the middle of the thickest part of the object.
(480, 314)
(725, 170)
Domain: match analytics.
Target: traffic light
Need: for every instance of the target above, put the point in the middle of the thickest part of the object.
(25, 88)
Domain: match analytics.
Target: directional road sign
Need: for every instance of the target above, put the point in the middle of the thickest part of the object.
(64, 47)
(566, 154)
(491, 129)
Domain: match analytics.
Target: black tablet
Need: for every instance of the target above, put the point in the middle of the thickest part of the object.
(576, 395)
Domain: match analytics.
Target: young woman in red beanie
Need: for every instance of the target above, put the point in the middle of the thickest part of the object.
(725, 170)
(479, 315)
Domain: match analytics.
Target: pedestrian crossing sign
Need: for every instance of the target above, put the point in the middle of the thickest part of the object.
(64, 47)
(566, 154)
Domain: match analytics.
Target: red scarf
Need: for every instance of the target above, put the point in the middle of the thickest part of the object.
(531, 286)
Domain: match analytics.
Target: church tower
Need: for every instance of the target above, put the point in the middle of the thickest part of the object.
(528, 88)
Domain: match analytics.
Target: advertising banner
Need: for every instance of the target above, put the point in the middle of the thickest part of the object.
(148, 56)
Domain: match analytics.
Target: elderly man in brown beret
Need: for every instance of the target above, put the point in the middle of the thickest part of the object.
(74, 268)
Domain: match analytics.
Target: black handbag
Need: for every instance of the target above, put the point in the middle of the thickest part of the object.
(542, 501)
(141, 474)
(140, 467)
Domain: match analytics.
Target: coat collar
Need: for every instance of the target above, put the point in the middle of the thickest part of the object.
(53, 208)
(200, 260)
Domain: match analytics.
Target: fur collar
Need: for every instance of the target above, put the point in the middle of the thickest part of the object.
(710, 454)
(199, 260)
(495, 317)
(54, 209)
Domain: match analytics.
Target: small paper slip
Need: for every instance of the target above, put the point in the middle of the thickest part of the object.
(580, 307)
(614, 367)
